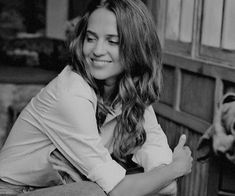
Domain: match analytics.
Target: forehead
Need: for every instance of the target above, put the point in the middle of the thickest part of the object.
(102, 20)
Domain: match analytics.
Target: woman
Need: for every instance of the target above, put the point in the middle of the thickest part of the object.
(98, 106)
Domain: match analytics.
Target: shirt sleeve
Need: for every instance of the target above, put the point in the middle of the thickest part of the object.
(155, 151)
(72, 128)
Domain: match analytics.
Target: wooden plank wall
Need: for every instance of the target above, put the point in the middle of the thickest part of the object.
(188, 101)
(194, 79)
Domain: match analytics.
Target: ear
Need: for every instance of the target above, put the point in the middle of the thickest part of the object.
(228, 98)
(204, 147)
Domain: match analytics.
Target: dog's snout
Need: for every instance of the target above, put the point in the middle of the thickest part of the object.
(233, 128)
(219, 153)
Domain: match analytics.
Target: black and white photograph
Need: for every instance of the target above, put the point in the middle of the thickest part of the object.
(117, 98)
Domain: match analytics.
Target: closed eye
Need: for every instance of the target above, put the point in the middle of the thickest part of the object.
(90, 38)
(113, 39)
(114, 42)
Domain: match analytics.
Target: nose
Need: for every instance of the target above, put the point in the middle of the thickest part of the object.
(99, 48)
(220, 153)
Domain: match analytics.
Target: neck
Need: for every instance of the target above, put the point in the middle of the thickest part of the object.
(108, 92)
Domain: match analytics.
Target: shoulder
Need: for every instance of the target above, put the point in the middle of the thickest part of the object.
(70, 83)
(150, 119)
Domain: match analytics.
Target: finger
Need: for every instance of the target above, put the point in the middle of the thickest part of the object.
(55, 161)
(73, 174)
(191, 159)
(187, 150)
(59, 165)
(230, 157)
(182, 141)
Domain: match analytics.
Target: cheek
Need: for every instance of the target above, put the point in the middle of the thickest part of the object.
(86, 49)
(115, 54)
(118, 68)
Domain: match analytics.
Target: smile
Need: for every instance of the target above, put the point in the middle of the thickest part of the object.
(100, 62)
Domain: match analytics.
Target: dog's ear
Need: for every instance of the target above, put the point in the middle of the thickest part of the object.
(204, 147)
(228, 98)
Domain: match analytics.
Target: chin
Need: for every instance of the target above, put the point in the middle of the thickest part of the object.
(99, 77)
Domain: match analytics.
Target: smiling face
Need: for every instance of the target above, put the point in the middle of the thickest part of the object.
(101, 46)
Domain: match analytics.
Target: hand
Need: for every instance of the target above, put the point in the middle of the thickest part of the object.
(182, 159)
(231, 157)
(66, 170)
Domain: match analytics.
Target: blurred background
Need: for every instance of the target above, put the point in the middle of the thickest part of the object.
(198, 44)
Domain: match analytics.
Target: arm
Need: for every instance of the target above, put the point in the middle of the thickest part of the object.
(155, 152)
(170, 189)
(60, 163)
(157, 178)
(72, 128)
(145, 183)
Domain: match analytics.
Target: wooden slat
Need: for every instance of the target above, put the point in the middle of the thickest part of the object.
(219, 87)
(178, 84)
(214, 176)
(169, 86)
(173, 19)
(57, 14)
(158, 10)
(212, 22)
(217, 55)
(182, 118)
(177, 47)
(200, 66)
(186, 20)
(228, 39)
(196, 34)
(223, 193)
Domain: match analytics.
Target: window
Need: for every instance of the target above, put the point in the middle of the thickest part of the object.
(218, 31)
(179, 26)
(200, 29)
(33, 33)
(18, 16)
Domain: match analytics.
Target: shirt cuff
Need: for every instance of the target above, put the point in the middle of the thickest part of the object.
(151, 159)
(107, 175)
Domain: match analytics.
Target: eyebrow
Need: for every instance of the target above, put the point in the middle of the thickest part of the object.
(108, 35)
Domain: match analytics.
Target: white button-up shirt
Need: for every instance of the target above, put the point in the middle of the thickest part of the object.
(62, 116)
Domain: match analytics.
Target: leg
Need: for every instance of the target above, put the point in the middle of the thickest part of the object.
(84, 188)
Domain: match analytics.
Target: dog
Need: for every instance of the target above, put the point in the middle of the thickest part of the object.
(219, 138)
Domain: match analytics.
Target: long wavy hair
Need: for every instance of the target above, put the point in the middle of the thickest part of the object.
(139, 84)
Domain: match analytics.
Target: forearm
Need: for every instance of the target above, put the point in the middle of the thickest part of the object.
(170, 189)
(145, 183)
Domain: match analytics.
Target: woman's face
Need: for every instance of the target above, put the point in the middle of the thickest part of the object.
(101, 46)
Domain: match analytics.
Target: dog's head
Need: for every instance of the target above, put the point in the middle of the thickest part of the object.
(220, 137)
(227, 106)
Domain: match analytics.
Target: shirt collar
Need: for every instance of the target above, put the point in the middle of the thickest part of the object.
(116, 112)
